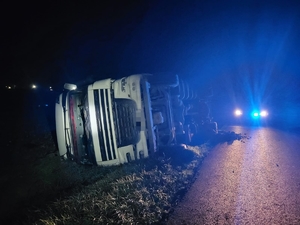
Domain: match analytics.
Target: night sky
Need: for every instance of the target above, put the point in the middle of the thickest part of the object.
(52, 41)
(219, 43)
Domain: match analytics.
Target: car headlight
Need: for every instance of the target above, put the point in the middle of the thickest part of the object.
(263, 113)
(238, 112)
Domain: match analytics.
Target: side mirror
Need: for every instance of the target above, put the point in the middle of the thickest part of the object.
(70, 87)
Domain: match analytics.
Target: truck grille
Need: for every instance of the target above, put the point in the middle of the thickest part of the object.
(105, 123)
(127, 133)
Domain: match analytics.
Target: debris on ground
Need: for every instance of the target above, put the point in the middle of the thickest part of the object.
(228, 136)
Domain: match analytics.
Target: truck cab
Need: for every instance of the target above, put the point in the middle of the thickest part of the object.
(108, 122)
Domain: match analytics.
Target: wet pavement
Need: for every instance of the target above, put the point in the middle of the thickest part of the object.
(251, 181)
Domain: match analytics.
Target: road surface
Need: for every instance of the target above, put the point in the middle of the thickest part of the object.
(253, 181)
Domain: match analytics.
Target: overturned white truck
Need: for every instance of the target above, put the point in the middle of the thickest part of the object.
(111, 122)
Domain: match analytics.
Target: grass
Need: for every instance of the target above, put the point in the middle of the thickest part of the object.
(142, 192)
(43, 189)
(38, 188)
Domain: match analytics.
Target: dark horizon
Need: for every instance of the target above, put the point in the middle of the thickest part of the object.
(53, 42)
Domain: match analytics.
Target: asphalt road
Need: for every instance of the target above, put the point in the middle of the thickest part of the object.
(253, 181)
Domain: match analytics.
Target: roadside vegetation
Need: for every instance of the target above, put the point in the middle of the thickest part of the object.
(54, 191)
(39, 188)
(142, 192)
